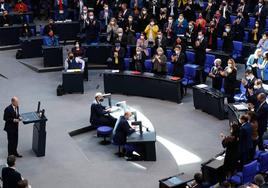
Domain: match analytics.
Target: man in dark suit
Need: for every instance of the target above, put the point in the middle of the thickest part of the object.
(245, 140)
(10, 176)
(262, 114)
(260, 13)
(100, 114)
(160, 41)
(12, 119)
(123, 129)
(249, 81)
(200, 49)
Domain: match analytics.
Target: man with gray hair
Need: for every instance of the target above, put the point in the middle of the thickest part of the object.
(259, 181)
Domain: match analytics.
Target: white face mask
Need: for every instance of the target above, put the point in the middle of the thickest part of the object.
(91, 17)
(260, 4)
(177, 52)
(106, 8)
(159, 36)
(144, 12)
(77, 45)
(120, 34)
(257, 87)
(84, 11)
(200, 37)
(152, 23)
(230, 65)
(130, 20)
(227, 30)
(138, 52)
(169, 21)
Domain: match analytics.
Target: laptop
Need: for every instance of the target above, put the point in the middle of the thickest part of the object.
(32, 117)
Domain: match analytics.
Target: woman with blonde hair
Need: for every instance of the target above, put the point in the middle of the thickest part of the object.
(159, 62)
(229, 74)
(254, 60)
(112, 30)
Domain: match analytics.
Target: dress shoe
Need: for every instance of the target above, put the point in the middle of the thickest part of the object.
(18, 155)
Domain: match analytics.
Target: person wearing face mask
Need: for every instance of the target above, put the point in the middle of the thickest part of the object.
(191, 34)
(121, 38)
(142, 43)
(253, 93)
(200, 49)
(117, 56)
(263, 43)
(136, 4)
(105, 16)
(51, 39)
(138, 60)
(144, 19)
(261, 109)
(130, 28)
(219, 23)
(245, 141)
(254, 60)
(26, 31)
(181, 25)
(73, 62)
(238, 27)
(160, 41)
(243, 9)
(209, 11)
(78, 50)
(48, 27)
(151, 32)
(169, 31)
(99, 114)
(260, 13)
(92, 29)
(248, 81)
(61, 9)
(111, 31)
(211, 36)
(178, 60)
(214, 74)
(225, 11)
(83, 17)
(189, 11)
(229, 74)
(159, 62)
(200, 23)
(255, 34)
(227, 38)
(162, 19)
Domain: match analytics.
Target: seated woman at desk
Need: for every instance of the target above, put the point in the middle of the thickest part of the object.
(26, 31)
(138, 60)
(72, 62)
(159, 62)
(78, 50)
(50, 39)
(5, 19)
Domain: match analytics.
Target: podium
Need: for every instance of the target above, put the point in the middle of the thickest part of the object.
(39, 131)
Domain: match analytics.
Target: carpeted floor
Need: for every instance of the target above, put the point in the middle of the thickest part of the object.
(81, 161)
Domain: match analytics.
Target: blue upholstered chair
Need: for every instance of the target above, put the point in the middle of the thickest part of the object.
(209, 63)
(138, 35)
(190, 57)
(128, 53)
(169, 68)
(104, 131)
(263, 162)
(127, 63)
(247, 174)
(149, 53)
(237, 51)
(148, 65)
(246, 36)
(189, 76)
(251, 22)
(169, 54)
(219, 43)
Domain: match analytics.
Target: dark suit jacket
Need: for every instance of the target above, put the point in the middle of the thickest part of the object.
(162, 43)
(5, 20)
(227, 45)
(97, 111)
(10, 177)
(262, 15)
(245, 140)
(122, 131)
(262, 114)
(178, 69)
(9, 116)
(200, 53)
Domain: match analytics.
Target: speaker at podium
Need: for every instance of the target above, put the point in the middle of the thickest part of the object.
(39, 120)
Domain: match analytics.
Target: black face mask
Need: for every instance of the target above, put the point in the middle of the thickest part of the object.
(101, 100)
(71, 57)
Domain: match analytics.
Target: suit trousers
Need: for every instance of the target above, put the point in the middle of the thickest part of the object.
(12, 138)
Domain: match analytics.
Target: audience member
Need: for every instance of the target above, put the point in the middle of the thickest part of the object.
(118, 54)
(151, 32)
(255, 34)
(211, 35)
(254, 61)
(73, 62)
(78, 50)
(5, 20)
(159, 62)
(181, 25)
(259, 181)
(92, 28)
(263, 43)
(178, 60)
(215, 75)
(20, 7)
(112, 31)
(142, 43)
(262, 69)
(138, 60)
(51, 39)
(227, 38)
(200, 49)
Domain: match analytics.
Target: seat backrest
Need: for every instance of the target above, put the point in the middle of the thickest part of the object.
(190, 71)
(138, 35)
(251, 22)
(190, 56)
(238, 46)
(128, 54)
(246, 36)
(149, 53)
(169, 54)
(209, 62)
(219, 43)
(148, 65)
(127, 63)
(169, 68)
(263, 159)
(249, 171)
(232, 18)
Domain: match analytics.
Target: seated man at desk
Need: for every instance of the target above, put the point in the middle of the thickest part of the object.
(100, 114)
(51, 39)
(5, 19)
(72, 62)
